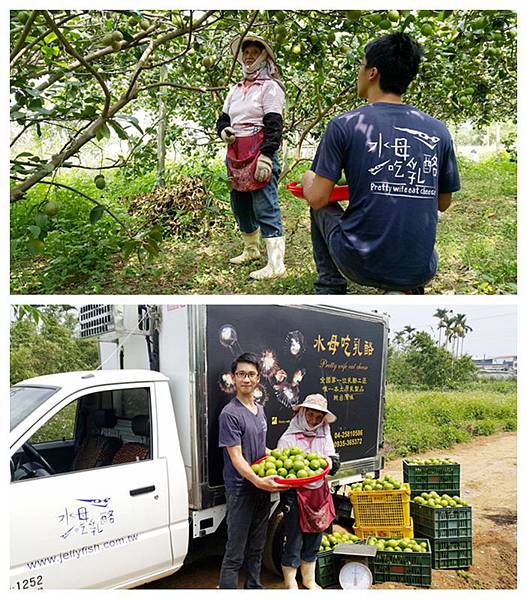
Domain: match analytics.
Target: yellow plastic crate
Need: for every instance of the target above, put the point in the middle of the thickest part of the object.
(389, 509)
(389, 532)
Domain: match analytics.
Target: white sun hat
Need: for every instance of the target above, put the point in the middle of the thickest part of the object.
(235, 45)
(316, 402)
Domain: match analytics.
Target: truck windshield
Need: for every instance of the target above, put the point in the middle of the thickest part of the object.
(25, 399)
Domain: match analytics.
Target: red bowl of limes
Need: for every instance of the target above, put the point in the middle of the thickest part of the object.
(340, 192)
(299, 481)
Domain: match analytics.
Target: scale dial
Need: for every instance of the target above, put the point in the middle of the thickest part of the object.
(355, 575)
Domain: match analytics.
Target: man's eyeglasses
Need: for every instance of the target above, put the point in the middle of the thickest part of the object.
(244, 374)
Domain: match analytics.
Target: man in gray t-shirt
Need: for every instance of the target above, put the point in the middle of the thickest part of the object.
(242, 435)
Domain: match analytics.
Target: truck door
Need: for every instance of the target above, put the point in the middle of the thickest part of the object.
(103, 522)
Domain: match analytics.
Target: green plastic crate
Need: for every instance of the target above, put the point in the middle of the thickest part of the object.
(451, 554)
(408, 568)
(441, 523)
(444, 479)
(327, 569)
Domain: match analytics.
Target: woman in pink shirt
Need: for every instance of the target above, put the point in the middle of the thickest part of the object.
(308, 430)
(251, 125)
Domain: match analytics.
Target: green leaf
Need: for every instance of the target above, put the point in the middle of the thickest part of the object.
(121, 133)
(128, 247)
(103, 132)
(51, 37)
(35, 231)
(96, 213)
(41, 219)
(156, 233)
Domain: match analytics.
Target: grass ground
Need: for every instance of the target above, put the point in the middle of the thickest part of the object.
(416, 421)
(476, 242)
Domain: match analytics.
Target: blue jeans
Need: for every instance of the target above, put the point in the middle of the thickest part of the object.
(332, 274)
(259, 208)
(247, 520)
(298, 546)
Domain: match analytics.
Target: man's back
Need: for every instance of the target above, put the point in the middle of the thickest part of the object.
(397, 160)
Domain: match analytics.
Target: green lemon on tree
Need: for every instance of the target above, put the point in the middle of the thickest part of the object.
(36, 246)
(100, 182)
(427, 29)
(51, 208)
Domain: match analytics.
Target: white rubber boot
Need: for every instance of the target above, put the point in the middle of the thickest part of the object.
(251, 248)
(290, 577)
(308, 575)
(275, 260)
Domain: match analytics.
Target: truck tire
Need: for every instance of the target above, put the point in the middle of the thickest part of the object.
(274, 543)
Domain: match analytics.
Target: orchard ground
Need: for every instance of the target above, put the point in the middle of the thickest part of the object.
(488, 483)
(476, 240)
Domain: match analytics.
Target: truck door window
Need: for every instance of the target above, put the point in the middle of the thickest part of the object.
(61, 427)
(102, 429)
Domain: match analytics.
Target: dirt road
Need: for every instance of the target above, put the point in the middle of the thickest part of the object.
(488, 483)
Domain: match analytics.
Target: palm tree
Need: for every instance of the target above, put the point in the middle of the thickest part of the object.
(398, 339)
(461, 328)
(450, 333)
(441, 314)
(408, 332)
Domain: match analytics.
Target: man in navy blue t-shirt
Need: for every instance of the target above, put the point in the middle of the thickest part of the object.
(242, 435)
(401, 169)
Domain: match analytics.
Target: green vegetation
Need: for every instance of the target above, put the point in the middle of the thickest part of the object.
(476, 238)
(48, 345)
(417, 421)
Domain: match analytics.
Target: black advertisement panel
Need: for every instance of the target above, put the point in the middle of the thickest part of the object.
(303, 351)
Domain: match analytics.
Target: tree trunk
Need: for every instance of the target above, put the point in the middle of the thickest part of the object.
(161, 131)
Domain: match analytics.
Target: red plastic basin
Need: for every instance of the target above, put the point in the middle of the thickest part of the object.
(340, 192)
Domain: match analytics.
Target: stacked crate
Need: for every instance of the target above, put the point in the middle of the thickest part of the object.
(442, 478)
(449, 529)
(382, 513)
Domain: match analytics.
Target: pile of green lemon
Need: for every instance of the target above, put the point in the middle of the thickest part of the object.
(434, 500)
(430, 461)
(369, 484)
(398, 545)
(329, 541)
(290, 463)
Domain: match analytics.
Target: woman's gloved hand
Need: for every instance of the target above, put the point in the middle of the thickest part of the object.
(228, 135)
(264, 168)
(335, 464)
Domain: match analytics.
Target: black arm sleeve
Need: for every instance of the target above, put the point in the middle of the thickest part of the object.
(223, 121)
(273, 127)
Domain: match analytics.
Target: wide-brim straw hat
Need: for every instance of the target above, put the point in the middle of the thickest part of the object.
(316, 402)
(250, 38)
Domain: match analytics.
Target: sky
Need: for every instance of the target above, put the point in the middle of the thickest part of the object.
(493, 321)
(494, 325)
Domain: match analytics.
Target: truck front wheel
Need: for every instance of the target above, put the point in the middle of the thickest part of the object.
(274, 543)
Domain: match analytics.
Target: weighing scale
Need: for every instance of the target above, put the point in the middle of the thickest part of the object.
(355, 574)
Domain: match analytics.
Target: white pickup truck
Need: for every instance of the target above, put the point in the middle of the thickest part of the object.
(116, 476)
